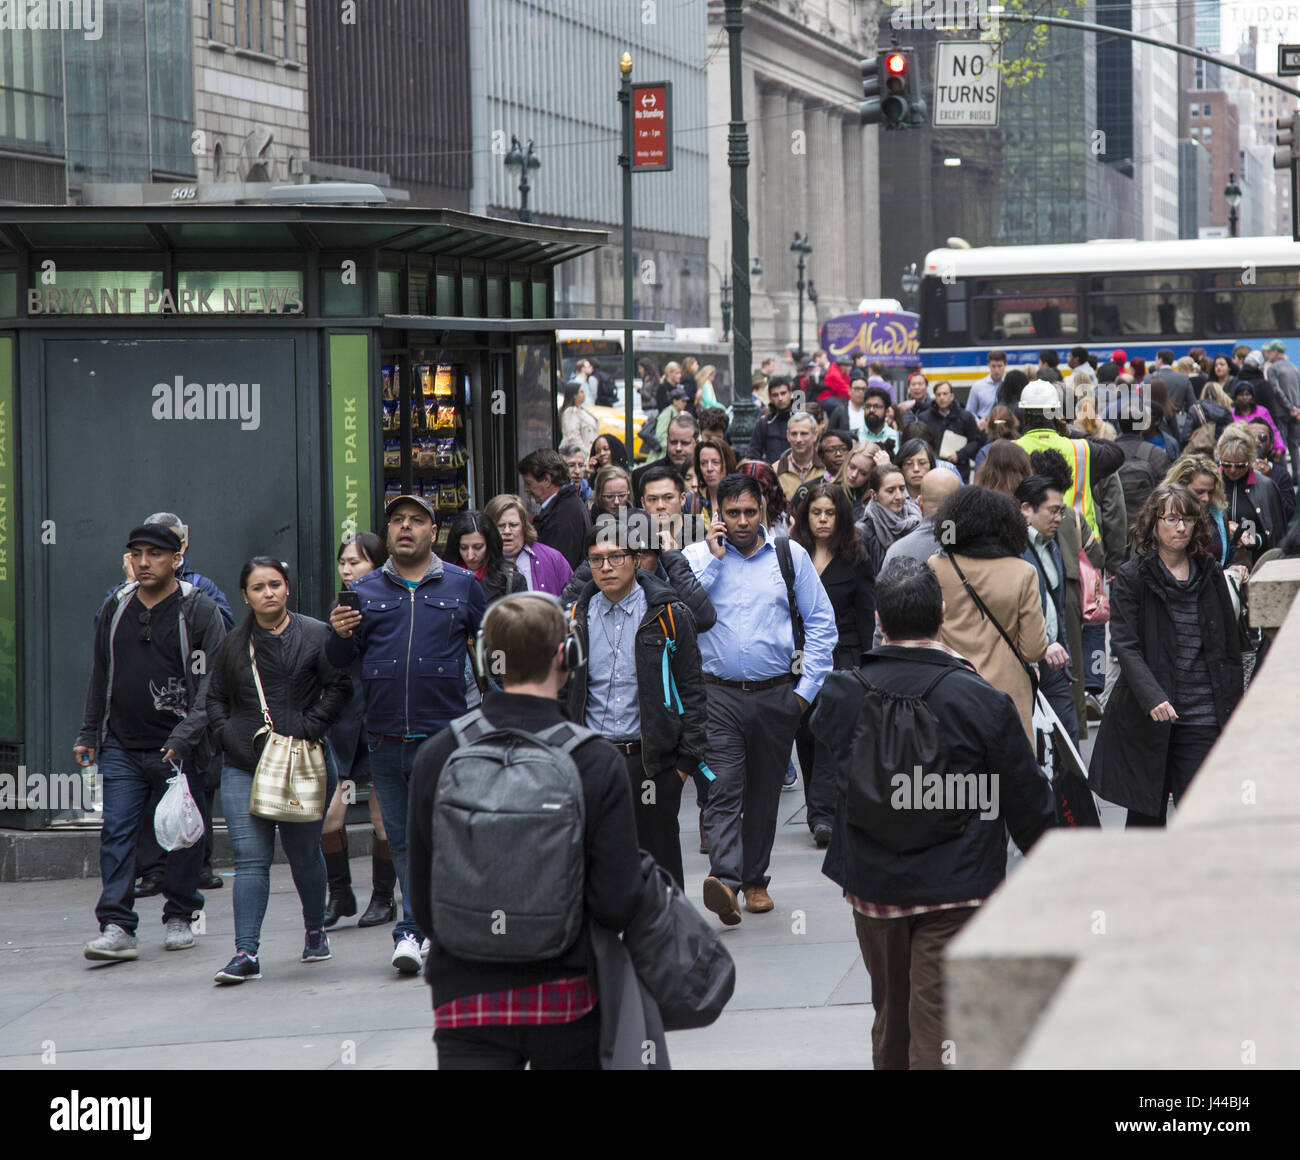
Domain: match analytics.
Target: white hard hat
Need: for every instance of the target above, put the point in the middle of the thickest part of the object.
(1040, 396)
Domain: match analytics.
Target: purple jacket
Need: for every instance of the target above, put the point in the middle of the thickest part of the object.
(550, 570)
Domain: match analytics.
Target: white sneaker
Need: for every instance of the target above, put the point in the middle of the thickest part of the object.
(406, 955)
(424, 950)
(179, 936)
(113, 944)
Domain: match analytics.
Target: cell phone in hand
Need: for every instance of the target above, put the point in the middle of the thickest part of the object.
(350, 599)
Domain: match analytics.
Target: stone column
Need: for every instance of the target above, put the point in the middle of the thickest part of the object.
(854, 210)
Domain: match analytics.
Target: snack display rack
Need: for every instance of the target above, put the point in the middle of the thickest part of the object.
(425, 452)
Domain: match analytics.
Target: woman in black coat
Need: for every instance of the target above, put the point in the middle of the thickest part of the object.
(1254, 507)
(1173, 628)
(305, 695)
(823, 526)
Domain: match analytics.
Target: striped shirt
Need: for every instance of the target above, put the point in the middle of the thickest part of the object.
(1193, 695)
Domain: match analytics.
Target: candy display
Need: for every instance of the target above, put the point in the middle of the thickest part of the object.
(438, 462)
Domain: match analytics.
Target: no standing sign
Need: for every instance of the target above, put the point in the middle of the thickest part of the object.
(652, 127)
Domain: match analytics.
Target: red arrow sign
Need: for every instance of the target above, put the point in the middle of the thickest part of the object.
(652, 127)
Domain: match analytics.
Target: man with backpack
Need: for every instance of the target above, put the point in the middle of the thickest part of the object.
(521, 832)
(144, 714)
(1144, 463)
(764, 662)
(920, 835)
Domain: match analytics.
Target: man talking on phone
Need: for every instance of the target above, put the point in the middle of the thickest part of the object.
(416, 618)
(759, 680)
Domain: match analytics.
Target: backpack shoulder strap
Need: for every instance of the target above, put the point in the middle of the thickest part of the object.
(785, 558)
(566, 736)
(944, 672)
(1144, 451)
(988, 615)
(468, 729)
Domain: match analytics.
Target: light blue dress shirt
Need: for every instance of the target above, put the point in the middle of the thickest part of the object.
(612, 709)
(982, 398)
(753, 639)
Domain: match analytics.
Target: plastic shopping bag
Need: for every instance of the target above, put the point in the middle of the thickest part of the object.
(177, 822)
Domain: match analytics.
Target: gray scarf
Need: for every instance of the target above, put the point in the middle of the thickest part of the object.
(888, 526)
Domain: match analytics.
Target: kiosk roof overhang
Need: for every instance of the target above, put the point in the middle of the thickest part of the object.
(263, 229)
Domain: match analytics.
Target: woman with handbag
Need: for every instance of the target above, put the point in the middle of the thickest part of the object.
(272, 698)
(1173, 629)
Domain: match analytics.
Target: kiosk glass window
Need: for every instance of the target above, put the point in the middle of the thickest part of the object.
(494, 297)
(339, 297)
(98, 291)
(8, 294)
(390, 297)
(244, 291)
(534, 396)
(539, 300)
(471, 290)
(418, 292)
(446, 292)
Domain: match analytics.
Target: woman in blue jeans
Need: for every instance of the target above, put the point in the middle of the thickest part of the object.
(305, 695)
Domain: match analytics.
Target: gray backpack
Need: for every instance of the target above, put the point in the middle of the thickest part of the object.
(508, 859)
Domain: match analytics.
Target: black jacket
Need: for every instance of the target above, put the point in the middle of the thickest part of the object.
(674, 571)
(768, 441)
(852, 592)
(613, 862)
(564, 524)
(984, 735)
(605, 390)
(957, 419)
(1128, 759)
(1256, 498)
(201, 630)
(668, 739)
(305, 694)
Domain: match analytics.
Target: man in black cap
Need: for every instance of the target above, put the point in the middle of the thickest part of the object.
(145, 717)
(412, 633)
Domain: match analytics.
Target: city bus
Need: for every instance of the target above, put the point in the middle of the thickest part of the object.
(1140, 297)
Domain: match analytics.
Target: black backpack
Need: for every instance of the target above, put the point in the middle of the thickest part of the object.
(1137, 478)
(897, 736)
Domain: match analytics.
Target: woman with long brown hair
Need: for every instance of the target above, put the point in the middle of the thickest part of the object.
(1173, 628)
(1005, 467)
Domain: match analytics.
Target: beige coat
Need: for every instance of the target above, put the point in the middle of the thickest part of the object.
(1008, 586)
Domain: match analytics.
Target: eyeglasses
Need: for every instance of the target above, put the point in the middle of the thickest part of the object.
(144, 626)
(615, 496)
(1175, 521)
(613, 560)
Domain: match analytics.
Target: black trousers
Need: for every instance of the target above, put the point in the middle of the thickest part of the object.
(815, 763)
(657, 799)
(1188, 747)
(551, 1047)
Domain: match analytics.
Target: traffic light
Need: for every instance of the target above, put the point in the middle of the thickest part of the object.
(869, 109)
(896, 68)
(1286, 154)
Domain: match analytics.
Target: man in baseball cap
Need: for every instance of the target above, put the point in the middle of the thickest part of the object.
(145, 715)
(417, 617)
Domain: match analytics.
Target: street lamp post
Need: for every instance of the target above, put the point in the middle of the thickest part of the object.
(911, 283)
(518, 159)
(738, 163)
(724, 288)
(1232, 195)
(801, 247)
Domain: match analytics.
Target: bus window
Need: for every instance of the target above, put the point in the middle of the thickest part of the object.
(943, 313)
(1026, 309)
(1267, 302)
(1156, 305)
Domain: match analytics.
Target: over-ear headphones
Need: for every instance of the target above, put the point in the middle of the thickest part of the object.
(574, 656)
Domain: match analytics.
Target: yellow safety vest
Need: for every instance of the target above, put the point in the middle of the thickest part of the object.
(1078, 455)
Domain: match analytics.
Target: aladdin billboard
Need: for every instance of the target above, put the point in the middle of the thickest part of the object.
(885, 338)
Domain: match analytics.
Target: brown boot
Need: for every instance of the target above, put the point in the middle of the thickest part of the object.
(757, 900)
(721, 899)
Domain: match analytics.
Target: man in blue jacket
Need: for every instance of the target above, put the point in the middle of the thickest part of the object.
(417, 618)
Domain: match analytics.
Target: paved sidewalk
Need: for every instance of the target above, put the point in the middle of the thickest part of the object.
(802, 995)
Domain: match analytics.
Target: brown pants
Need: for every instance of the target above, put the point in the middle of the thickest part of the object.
(904, 957)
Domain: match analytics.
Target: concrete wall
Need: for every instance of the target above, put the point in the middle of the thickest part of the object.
(1158, 950)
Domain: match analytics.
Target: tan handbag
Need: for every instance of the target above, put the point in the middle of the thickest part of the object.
(290, 780)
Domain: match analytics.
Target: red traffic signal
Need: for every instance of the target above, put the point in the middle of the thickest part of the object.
(895, 62)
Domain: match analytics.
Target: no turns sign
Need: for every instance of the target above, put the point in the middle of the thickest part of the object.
(966, 85)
